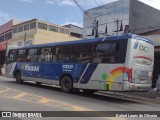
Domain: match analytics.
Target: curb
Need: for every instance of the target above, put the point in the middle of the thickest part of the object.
(135, 98)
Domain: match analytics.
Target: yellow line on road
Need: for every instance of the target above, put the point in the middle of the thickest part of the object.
(59, 104)
(44, 100)
(5, 90)
(19, 95)
(78, 108)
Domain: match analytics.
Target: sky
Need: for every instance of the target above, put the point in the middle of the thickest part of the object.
(60, 12)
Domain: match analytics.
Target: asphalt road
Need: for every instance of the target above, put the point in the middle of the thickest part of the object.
(30, 97)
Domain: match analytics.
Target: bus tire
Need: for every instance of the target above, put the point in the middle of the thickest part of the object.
(18, 78)
(86, 91)
(66, 84)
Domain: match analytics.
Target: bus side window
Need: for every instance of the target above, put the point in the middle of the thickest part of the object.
(96, 56)
(11, 56)
(81, 53)
(54, 54)
(74, 57)
(63, 54)
(105, 53)
(32, 55)
(122, 51)
(22, 56)
(45, 55)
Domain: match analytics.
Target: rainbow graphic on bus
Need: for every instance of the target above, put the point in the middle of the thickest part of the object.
(113, 75)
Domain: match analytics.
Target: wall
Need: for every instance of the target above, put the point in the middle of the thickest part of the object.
(155, 38)
(23, 36)
(40, 35)
(44, 36)
(106, 16)
(74, 29)
(8, 26)
(142, 16)
(5, 27)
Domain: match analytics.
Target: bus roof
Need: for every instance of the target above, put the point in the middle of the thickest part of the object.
(83, 41)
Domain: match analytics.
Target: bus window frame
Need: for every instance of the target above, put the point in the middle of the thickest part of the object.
(8, 57)
(58, 53)
(81, 58)
(40, 51)
(28, 56)
(24, 56)
(118, 50)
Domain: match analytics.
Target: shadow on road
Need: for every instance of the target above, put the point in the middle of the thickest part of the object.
(97, 96)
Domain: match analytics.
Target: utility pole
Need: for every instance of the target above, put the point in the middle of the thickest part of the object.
(25, 36)
(117, 24)
(95, 28)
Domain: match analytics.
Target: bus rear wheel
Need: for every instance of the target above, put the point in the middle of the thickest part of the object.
(66, 84)
(18, 78)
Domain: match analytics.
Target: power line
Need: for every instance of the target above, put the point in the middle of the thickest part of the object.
(150, 27)
(97, 2)
(95, 27)
(46, 18)
(103, 6)
(106, 9)
(117, 21)
(80, 7)
(103, 24)
(74, 12)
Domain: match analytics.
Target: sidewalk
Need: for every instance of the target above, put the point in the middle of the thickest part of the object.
(149, 96)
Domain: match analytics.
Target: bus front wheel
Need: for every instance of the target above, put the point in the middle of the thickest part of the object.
(66, 84)
(18, 78)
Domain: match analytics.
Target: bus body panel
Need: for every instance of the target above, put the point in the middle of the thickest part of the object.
(143, 57)
(9, 70)
(140, 61)
(106, 77)
(54, 71)
(96, 76)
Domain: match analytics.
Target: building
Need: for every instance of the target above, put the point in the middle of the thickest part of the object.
(153, 35)
(5, 37)
(120, 17)
(38, 32)
(75, 30)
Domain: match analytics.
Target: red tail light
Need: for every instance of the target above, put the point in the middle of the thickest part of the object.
(130, 75)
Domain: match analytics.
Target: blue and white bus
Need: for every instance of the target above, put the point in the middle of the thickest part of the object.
(113, 63)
